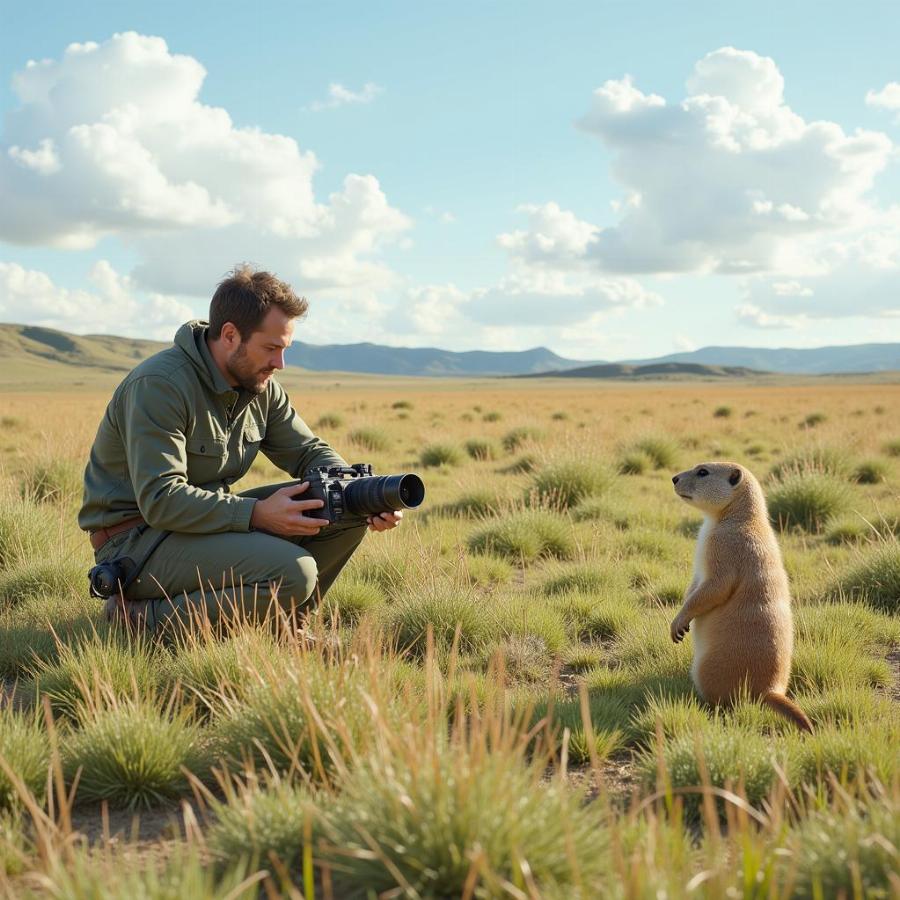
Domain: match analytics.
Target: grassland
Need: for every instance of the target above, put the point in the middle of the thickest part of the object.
(487, 703)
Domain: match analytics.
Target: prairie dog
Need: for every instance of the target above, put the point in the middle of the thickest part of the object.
(738, 606)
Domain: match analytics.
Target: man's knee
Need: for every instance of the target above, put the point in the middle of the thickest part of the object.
(298, 583)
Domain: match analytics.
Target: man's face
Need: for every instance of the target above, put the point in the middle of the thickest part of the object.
(254, 360)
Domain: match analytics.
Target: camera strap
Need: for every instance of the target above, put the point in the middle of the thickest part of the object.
(143, 561)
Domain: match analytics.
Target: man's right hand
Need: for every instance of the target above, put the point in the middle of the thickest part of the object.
(279, 513)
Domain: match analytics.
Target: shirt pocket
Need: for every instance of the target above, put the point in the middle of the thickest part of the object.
(206, 459)
(253, 435)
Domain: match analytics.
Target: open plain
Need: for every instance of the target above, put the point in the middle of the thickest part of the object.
(488, 702)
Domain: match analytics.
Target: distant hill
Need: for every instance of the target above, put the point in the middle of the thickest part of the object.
(814, 361)
(654, 371)
(32, 348)
(425, 360)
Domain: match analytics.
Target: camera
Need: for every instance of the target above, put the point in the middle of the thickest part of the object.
(352, 493)
(108, 579)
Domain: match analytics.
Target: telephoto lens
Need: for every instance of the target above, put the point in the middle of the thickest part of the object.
(383, 493)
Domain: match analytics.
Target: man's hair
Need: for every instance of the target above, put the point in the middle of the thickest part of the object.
(244, 297)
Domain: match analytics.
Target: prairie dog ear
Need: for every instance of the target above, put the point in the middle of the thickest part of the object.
(734, 477)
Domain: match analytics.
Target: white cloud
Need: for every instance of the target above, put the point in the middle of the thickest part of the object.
(887, 98)
(112, 307)
(112, 139)
(730, 179)
(338, 95)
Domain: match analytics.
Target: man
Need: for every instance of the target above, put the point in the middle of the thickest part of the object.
(179, 431)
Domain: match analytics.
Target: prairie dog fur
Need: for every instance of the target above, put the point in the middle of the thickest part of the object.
(738, 606)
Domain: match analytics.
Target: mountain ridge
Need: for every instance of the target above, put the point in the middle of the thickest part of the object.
(52, 347)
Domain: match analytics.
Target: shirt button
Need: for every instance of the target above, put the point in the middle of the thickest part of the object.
(203, 448)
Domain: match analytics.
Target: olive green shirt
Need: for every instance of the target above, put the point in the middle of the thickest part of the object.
(176, 435)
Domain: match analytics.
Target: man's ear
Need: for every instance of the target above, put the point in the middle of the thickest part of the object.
(734, 477)
(230, 334)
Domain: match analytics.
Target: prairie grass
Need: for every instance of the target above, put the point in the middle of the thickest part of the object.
(808, 500)
(87, 671)
(371, 438)
(25, 755)
(525, 536)
(441, 455)
(874, 578)
(426, 724)
(565, 484)
(132, 752)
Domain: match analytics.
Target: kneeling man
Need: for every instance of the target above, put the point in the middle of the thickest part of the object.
(179, 431)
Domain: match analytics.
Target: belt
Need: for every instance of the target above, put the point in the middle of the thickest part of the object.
(99, 538)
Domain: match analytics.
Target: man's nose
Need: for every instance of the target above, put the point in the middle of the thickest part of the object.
(674, 479)
(279, 361)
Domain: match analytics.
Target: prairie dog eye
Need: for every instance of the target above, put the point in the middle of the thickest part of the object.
(702, 473)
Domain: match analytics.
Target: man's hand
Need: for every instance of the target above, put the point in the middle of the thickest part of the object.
(280, 514)
(385, 521)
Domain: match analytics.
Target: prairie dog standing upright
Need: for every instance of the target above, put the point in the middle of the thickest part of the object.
(738, 606)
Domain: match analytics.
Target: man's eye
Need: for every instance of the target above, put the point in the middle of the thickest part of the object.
(702, 473)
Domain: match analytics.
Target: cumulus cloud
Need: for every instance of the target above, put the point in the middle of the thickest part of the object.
(731, 180)
(112, 306)
(338, 95)
(112, 139)
(887, 98)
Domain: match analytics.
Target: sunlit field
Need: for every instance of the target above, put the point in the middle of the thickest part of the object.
(488, 702)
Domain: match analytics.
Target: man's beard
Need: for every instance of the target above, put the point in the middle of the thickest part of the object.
(244, 374)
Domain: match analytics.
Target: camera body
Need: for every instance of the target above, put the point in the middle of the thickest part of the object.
(350, 494)
(109, 579)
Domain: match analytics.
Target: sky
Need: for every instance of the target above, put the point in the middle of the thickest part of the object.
(611, 180)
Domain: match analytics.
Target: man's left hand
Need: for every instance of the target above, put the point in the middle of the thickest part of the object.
(385, 521)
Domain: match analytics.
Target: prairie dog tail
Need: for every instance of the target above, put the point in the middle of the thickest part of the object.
(788, 709)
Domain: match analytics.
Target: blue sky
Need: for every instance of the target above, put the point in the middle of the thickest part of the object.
(484, 168)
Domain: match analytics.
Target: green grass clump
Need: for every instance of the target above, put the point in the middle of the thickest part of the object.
(661, 450)
(443, 609)
(25, 749)
(871, 471)
(52, 480)
(565, 484)
(847, 531)
(814, 459)
(280, 820)
(481, 449)
(42, 578)
(832, 659)
(593, 618)
(607, 715)
(813, 419)
(634, 462)
(132, 753)
(807, 500)
(480, 503)
(28, 532)
(892, 448)
(732, 758)
(370, 438)
(874, 579)
(441, 455)
(401, 404)
(351, 597)
(525, 537)
(870, 748)
(206, 666)
(848, 849)
(296, 717)
(485, 569)
(516, 437)
(418, 817)
(521, 466)
(492, 416)
(95, 667)
(329, 420)
(723, 412)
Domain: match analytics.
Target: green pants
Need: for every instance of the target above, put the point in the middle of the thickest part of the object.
(204, 576)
